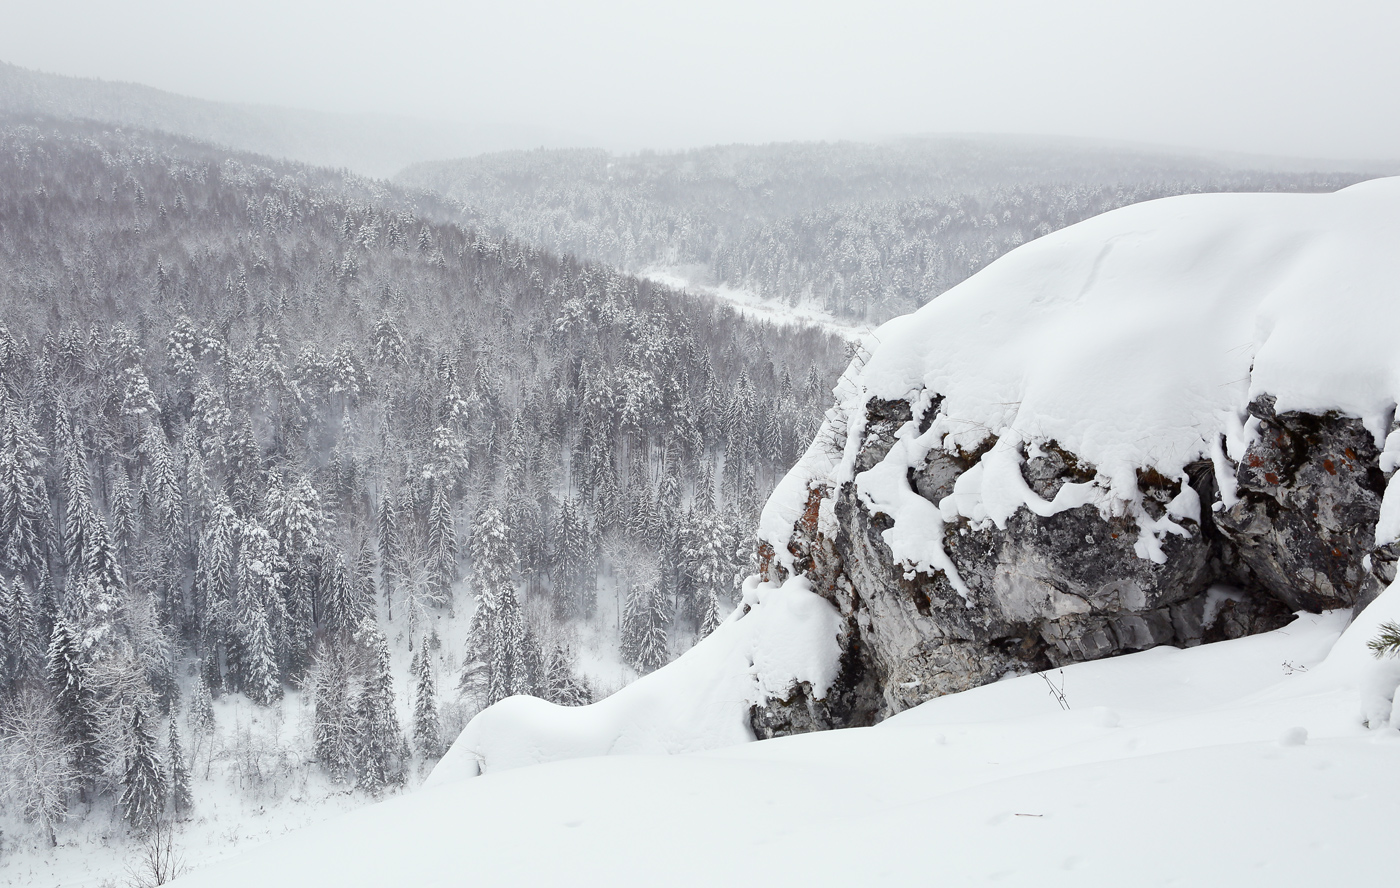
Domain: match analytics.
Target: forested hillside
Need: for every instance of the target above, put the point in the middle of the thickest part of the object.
(267, 429)
(864, 231)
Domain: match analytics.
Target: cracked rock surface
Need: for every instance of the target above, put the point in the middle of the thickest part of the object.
(1045, 591)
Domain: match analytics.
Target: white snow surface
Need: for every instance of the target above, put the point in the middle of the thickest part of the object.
(777, 637)
(1245, 762)
(1134, 339)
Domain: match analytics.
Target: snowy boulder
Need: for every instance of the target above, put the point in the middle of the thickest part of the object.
(781, 638)
(1166, 425)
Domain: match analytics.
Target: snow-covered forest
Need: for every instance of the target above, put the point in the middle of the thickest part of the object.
(862, 231)
(273, 433)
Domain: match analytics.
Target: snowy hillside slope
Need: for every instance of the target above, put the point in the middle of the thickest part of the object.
(1239, 763)
(1138, 341)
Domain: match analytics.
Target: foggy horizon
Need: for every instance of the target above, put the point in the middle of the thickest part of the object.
(1285, 80)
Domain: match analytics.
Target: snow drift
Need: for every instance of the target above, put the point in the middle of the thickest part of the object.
(778, 637)
(1239, 763)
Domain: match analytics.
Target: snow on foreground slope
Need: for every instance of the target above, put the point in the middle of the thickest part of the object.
(778, 636)
(1238, 763)
(1135, 339)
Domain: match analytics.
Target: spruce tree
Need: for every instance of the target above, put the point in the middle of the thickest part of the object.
(442, 547)
(377, 735)
(391, 550)
(427, 731)
(644, 628)
(77, 707)
(181, 798)
(343, 608)
(334, 730)
(497, 664)
(201, 714)
(709, 619)
(24, 499)
(560, 682)
(21, 645)
(143, 777)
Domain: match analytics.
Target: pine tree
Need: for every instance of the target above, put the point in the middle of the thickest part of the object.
(78, 516)
(180, 795)
(143, 778)
(260, 679)
(379, 740)
(164, 490)
(427, 732)
(123, 515)
(100, 562)
(215, 568)
(366, 592)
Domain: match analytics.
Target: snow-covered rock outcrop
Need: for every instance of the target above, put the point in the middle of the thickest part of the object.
(1170, 424)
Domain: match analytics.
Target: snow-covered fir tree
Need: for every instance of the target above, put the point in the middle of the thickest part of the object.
(181, 796)
(497, 663)
(378, 739)
(427, 730)
(143, 777)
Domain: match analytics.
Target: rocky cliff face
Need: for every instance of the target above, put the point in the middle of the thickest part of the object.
(1045, 591)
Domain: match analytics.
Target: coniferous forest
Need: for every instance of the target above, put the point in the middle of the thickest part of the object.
(269, 430)
(865, 232)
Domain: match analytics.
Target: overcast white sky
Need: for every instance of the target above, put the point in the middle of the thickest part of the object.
(1293, 77)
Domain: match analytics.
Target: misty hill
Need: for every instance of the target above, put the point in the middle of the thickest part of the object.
(371, 144)
(864, 231)
(275, 447)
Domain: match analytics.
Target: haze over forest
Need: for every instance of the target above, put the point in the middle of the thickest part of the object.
(1277, 78)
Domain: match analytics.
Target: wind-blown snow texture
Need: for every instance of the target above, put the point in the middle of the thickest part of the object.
(1134, 340)
(778, 636)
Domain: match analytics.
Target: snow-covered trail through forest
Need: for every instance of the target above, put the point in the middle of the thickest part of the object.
(757, 308)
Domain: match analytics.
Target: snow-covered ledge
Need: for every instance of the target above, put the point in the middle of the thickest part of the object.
(778, 637)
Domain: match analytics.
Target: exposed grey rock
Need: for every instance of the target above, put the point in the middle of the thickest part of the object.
(1048, 591)
(1310, 491)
